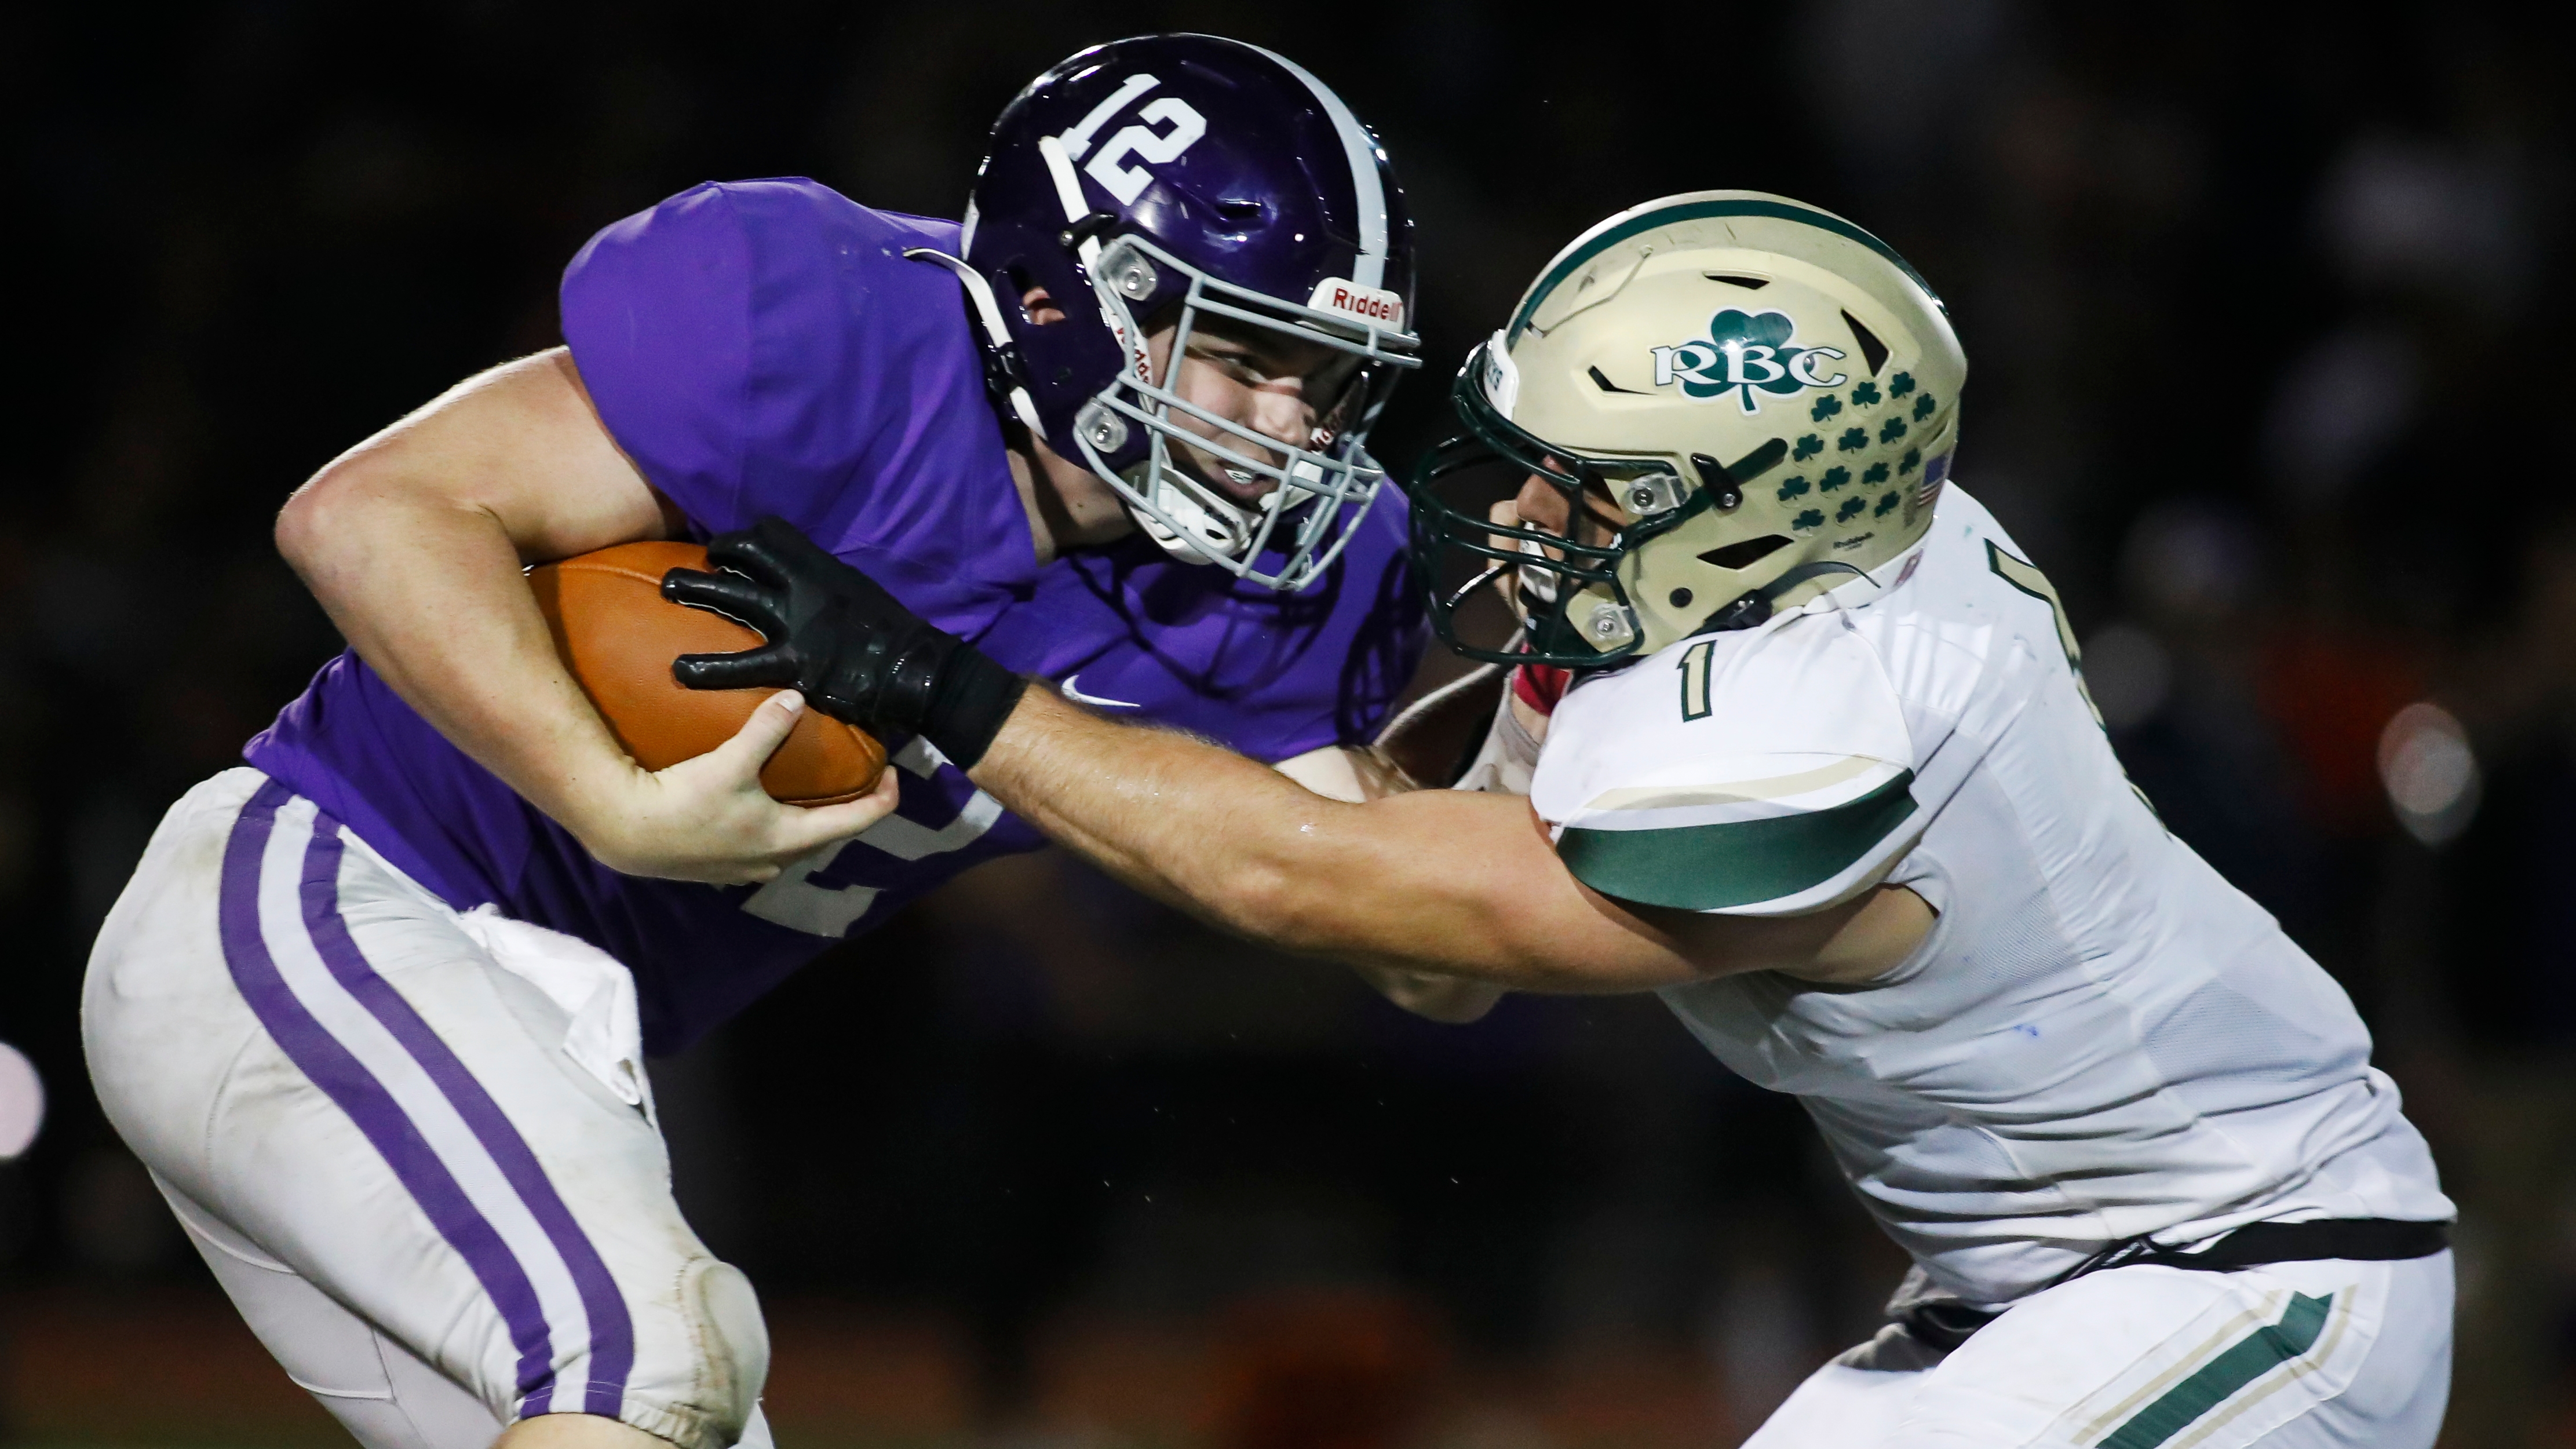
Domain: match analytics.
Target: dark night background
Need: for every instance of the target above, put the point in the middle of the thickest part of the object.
(2267, 318)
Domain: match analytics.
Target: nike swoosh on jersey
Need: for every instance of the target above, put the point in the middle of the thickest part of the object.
(1078, 697)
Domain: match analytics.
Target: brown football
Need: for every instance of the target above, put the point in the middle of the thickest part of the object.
(618, 636)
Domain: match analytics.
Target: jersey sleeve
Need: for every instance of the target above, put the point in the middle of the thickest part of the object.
(749, 344)
(1762, 775)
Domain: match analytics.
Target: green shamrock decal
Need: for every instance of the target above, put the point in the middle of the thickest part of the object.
(1852, 440)
(1835, 478)
(1865, 394)
(1753, 347)
(1900, 385)
(1792, 489)
(1923, 407)
(1877, 474)
(1851, 509)
(1886, 506)
(1808, 447)
(1747, 354)
(1894, 429)
(1825, 407)
(1808, 518)
(1912, 460)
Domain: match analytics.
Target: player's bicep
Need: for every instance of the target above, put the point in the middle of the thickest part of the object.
(523, 443)
(1470, 886)
(1785, 835)
(1463, 883)
(519, 443)
(1852, 942)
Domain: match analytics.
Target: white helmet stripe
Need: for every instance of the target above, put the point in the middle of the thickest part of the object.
(1078, 140)
(1361, 152)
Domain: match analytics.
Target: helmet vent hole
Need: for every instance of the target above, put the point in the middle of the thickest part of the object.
(1037, 308)
(1872, 351)
(1750, 284)
(1237, 209)
(1746, 554)
(1602, 381)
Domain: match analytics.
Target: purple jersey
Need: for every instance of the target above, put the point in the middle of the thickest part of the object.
(765, 347)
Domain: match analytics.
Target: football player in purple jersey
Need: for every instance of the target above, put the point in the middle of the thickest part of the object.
(374, 1006)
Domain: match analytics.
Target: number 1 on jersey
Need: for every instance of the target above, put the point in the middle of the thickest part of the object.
(1694, 664)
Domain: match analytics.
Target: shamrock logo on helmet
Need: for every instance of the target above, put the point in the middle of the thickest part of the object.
(1745, 353)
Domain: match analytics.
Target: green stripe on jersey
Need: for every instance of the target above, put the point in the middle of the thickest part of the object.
(2248, 1359)
(1711, 867)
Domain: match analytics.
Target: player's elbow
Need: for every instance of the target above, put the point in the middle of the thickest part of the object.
(363, 503)
(1288, 908)
(1449, 1000)
(324, 512)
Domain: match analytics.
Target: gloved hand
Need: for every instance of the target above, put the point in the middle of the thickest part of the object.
(852, 648)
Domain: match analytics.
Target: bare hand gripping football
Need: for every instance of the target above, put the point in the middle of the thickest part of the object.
(838, 636)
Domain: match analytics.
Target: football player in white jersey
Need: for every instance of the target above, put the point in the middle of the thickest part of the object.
(1824, 775)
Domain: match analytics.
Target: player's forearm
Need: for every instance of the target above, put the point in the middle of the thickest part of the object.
(413, 543)
(1454, 884)
(1130, 800)
(432, 597)
(1360, 775)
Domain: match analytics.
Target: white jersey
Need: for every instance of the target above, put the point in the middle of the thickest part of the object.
(2099, 1039)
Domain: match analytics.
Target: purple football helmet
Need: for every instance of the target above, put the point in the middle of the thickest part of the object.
(1170, 179)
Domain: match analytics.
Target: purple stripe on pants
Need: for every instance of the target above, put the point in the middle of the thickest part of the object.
(348, 1083)
(612, 1334)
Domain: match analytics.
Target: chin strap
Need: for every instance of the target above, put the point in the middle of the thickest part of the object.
(1083, 227)
(1002, 370)
(1165, 538)
(1084, 239)
(1754, 609)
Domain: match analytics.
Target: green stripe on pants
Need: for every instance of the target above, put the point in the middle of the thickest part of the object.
(2248, 1359)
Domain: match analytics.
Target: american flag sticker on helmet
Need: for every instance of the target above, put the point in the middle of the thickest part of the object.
(1935, 473)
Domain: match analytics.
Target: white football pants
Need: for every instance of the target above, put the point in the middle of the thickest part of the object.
(415, 1147)
(2324, 1355)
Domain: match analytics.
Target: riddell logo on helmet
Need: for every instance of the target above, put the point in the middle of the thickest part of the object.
(1374, 305)
(1746, 353)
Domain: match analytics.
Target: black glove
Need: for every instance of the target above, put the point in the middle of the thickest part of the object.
(852, 648)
